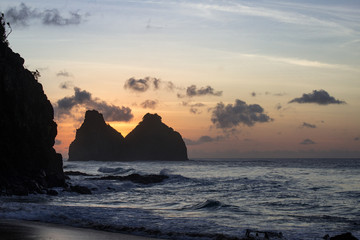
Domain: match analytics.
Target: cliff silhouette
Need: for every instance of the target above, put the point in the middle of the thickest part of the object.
(28, 160)
(151, 139)
(96, 140)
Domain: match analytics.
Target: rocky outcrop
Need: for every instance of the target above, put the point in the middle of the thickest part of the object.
(153, 140)
(150, 140)
(28, 161)
(96, 140)
(344, 236)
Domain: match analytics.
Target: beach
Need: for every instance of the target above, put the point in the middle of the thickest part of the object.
(30, 230)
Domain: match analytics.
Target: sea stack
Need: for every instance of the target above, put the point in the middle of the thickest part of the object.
(150, 140)
(96, 140)
(153, 140)
(28, 161)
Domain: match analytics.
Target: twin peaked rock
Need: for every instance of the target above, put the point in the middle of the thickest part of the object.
(150, 140)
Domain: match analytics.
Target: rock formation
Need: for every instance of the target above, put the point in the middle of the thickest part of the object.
(95, 140)
(28, 161)
(153, 140)
(150, 140)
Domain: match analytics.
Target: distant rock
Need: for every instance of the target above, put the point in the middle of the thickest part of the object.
(80, 189)
(28, 160)
(150, 140)
(344, 236)
(153, 140)
(96, 140)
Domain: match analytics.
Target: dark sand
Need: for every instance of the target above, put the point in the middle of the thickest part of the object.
(28, 230)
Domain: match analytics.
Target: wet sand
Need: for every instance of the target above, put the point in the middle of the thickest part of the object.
(28, 230)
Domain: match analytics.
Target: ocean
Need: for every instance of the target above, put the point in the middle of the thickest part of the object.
(206, 199)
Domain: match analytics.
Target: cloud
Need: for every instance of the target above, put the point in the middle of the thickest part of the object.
(253, 94)
(308, 125)
(144, 84)
(66, 85)
(64, 73)
(301, 62)
(278, 106)
(194, 108)
(307, 142)
(356, 138)
(138, 85)
(53, 17)
(279, 94)
(64, 106)
(275, 94)
(320, 97)
(111, 112)
(22, 14)
(152, 104)
(202, 139)
(192, 91)
(228, 116)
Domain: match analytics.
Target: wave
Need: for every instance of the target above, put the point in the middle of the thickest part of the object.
(118, 170)
(206, 205)
(209, 204)
(138, 221)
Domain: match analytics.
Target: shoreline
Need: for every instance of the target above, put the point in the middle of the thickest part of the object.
(32, 230)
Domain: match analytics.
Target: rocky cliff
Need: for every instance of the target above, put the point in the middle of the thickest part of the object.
(150, 140)
(95, 140)
(28, 161)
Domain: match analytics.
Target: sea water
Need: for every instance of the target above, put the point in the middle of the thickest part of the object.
(206, 198)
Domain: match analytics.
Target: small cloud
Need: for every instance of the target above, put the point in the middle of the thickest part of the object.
(57, 142)
(275, 94)
(308, 125)
(278, 106)
(195, 111)
(152, 104)
(53, 17)
(144, 84)
(192, 91)
(307, 142)
(138, 85)
(170, 86)
(253, 94)
(66, 85)
(228, 116)
(202, 140)
(320, 97)
(64, 73)
(194, 108)
(279, 94)
(64, 106)
(356, 138)
(23, 14)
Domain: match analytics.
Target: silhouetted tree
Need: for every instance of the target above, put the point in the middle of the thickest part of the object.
(36, 74)
(3, 34)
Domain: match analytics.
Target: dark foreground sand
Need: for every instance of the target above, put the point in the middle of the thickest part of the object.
(27, 230)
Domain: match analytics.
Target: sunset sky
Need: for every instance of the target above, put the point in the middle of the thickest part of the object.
(234, 78)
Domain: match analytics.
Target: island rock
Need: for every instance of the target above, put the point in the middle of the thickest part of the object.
(153, 140)
(28, 161)
(96, 140)
(150, 140)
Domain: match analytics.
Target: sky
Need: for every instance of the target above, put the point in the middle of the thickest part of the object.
(237, 79)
